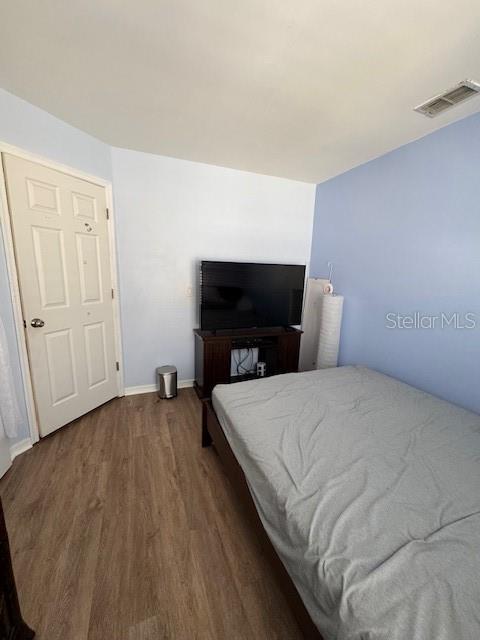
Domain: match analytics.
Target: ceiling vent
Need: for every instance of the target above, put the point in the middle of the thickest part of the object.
(463, 91)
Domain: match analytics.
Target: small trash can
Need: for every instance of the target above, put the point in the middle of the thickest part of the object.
(167, 381)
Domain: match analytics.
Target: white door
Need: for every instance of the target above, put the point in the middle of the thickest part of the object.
(61, 245)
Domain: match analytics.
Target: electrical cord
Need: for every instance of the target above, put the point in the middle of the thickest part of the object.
(248, 369)
(239, 363)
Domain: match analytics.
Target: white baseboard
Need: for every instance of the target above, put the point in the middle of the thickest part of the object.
(151, 388)
(20, 447)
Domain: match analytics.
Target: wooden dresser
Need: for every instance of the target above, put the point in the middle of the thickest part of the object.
(12, 626)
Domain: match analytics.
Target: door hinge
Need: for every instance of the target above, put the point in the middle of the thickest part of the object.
(108, 214)
(24, 324)
(113, 294)
(118, 366)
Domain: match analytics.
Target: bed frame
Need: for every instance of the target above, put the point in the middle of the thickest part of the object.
(212, 433)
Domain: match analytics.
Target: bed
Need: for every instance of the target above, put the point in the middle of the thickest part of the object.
(368, 492)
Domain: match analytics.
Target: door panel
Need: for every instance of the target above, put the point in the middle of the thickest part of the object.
(61, 365)
(84, 206)
(43, 197)
(95, 345)
(61, 244)
(88, 254)
(50, 266)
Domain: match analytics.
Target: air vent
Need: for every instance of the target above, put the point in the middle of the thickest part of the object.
(463, 91)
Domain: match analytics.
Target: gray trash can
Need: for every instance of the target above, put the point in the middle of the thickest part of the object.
(167, 381)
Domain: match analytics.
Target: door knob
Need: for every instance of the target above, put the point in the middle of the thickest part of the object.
(37, 322)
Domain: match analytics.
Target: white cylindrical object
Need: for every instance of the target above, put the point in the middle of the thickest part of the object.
(311, 324)
(331, 308)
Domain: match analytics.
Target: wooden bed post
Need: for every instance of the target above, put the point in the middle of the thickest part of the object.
(206, 437)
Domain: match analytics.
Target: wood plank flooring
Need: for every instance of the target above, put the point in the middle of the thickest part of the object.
(123, 528)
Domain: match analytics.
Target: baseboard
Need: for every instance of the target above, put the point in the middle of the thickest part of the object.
(20, 447)
(151, 388)
(146, 388)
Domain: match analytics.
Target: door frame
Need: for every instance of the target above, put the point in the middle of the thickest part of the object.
(6, 227)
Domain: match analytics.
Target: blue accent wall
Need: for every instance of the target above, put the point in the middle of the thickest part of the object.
(403, 232)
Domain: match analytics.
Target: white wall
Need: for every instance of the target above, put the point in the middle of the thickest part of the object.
(30, 128)
(169, 214)
(172, 213)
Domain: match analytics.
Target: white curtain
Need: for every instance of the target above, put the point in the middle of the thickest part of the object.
(10, 417)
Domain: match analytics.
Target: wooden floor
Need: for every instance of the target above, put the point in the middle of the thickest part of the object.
(123, 528)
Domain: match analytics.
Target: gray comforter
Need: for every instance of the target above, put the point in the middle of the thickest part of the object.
(370, 491)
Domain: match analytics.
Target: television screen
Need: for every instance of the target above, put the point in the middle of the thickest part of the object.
(236, 295)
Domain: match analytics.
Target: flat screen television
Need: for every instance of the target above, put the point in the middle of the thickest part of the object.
(241, 295)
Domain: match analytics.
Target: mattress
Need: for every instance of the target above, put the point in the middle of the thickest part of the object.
(370, 492)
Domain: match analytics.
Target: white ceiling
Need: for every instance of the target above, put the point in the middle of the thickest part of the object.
(304, 89)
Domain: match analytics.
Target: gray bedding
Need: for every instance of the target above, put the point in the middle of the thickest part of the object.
(370, 491)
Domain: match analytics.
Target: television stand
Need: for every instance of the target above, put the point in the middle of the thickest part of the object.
(277, 346)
